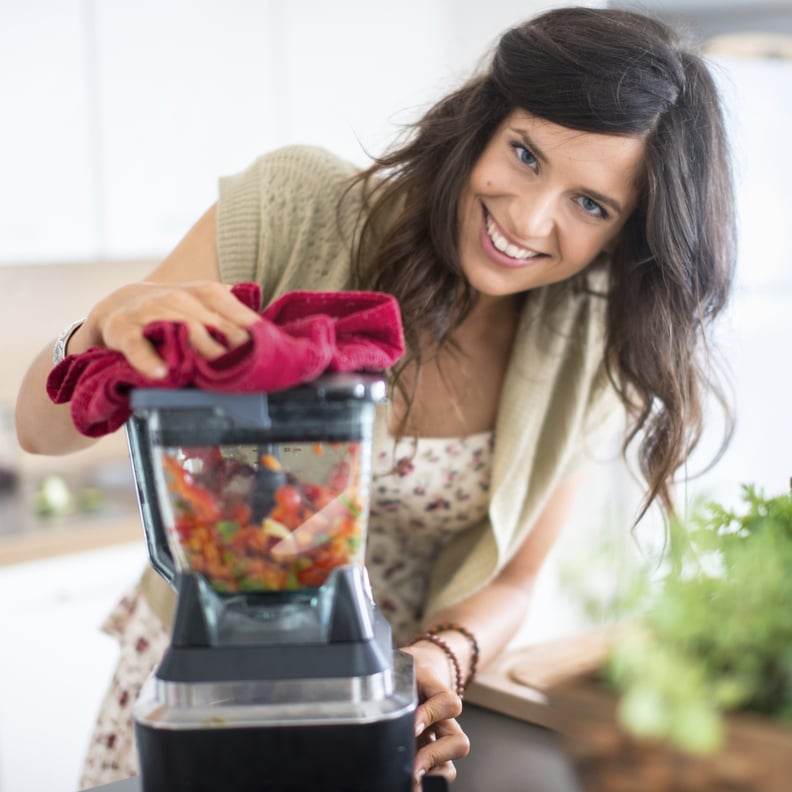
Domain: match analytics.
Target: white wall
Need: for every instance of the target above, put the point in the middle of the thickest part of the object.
(757, 330)
(119, 116)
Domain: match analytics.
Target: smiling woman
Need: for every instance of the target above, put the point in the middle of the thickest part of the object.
(543, 202)
(558, 235)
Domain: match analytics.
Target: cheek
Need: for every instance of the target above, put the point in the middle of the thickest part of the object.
(612, 239)
(583, 247)
(480, 178)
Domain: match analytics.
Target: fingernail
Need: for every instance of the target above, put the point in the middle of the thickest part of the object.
(419, 727)
(419, 774)
(159, 372)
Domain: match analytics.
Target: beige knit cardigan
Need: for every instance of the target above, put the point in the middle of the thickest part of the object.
(279, 225)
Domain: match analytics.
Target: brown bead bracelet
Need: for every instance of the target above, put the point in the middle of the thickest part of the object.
(430, 637)
(474, 647)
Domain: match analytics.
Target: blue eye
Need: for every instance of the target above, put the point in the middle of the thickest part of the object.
(524, 155)
(592, 207)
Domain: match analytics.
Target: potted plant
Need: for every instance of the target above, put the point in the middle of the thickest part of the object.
(696, 690)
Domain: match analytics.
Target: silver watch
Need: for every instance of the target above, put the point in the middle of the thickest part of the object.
(59, 350)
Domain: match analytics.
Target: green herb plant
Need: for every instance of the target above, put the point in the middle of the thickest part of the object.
(715, 635)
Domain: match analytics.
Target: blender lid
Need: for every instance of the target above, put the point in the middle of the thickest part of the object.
(341, 386)
(331, 407)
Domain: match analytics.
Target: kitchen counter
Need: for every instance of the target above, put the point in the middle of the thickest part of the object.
(507, 755)
(110, 518)
(511, 755)
(75, 536)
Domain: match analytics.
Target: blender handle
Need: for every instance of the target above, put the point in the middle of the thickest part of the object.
(144, 475)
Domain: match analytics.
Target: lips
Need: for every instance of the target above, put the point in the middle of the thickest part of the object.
(502, 249)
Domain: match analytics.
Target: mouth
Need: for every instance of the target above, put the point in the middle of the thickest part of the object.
(504, 246)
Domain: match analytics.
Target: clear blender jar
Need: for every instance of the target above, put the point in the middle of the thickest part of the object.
(281, 669)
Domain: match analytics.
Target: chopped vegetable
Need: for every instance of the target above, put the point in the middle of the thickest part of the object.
(270, 462)
(53, 497)
(311, 528)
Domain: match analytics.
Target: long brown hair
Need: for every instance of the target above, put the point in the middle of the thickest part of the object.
(670, 274)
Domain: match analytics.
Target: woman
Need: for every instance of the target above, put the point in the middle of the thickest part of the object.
(558, 233)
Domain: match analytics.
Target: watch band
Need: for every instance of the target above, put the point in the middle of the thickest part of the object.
(59, 350)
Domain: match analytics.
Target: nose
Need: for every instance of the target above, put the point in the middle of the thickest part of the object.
(535, 214)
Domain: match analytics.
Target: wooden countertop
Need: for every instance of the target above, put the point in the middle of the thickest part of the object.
(76, 537)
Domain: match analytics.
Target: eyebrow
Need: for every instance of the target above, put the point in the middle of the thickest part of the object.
(540, 155)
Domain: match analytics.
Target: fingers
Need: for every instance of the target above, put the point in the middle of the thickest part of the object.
(121, 318)
(441, 704)
(446, 770)
(439, 738)
(437, 747)
(223, 310)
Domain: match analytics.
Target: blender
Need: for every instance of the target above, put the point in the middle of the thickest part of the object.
(280, 674)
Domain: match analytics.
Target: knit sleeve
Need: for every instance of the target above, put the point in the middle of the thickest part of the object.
(288, 222)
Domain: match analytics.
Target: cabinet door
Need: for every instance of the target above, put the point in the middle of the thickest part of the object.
(193, 89)
(184, 95)
(48, 186)
(122, 115)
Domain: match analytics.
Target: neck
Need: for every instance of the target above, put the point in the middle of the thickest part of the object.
(491, 313)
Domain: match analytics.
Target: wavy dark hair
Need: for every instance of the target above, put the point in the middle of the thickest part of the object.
(670, 273)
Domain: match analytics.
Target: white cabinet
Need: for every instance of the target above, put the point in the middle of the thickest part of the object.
(55, 664)
(119, 116)
(184, 93)
(48, 185)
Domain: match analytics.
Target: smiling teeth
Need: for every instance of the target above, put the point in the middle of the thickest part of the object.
(503, 244)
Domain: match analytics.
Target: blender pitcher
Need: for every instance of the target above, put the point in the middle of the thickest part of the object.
(281, 673)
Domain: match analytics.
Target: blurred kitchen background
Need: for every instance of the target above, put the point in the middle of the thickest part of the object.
(117, 119)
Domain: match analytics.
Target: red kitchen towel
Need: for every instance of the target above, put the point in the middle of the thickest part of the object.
(300, 336)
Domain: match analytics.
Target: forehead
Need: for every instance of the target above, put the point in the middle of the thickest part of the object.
(612, 163)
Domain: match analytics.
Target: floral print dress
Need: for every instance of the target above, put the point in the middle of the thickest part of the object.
(424, 491)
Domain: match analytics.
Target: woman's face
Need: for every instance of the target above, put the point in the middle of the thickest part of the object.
(542, 202)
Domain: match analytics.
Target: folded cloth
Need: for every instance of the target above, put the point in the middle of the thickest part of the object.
(299, 336)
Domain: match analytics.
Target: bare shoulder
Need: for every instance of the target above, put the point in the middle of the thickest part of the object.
(195, 257)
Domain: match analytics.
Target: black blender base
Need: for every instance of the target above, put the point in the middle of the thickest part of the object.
(372, 757)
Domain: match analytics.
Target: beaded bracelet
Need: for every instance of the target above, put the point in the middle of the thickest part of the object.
(474, 647)
(430, 637)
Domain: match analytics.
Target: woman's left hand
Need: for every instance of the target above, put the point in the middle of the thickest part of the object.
(439, 738)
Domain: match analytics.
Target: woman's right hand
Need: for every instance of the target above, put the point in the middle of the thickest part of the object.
(184, 287)
(118, 320)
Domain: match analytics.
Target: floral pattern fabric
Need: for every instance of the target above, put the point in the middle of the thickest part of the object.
(424, 491)
(142, 640)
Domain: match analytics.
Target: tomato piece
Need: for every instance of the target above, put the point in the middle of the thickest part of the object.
(210, 456)
(240, 512)
(312, 577)
(288, 498)
(317, 495)
(339, 478)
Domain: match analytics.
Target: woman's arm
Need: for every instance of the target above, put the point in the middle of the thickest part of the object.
(184, 287)
(493, 615)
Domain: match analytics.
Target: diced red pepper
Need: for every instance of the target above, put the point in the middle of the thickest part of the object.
(312, 528)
